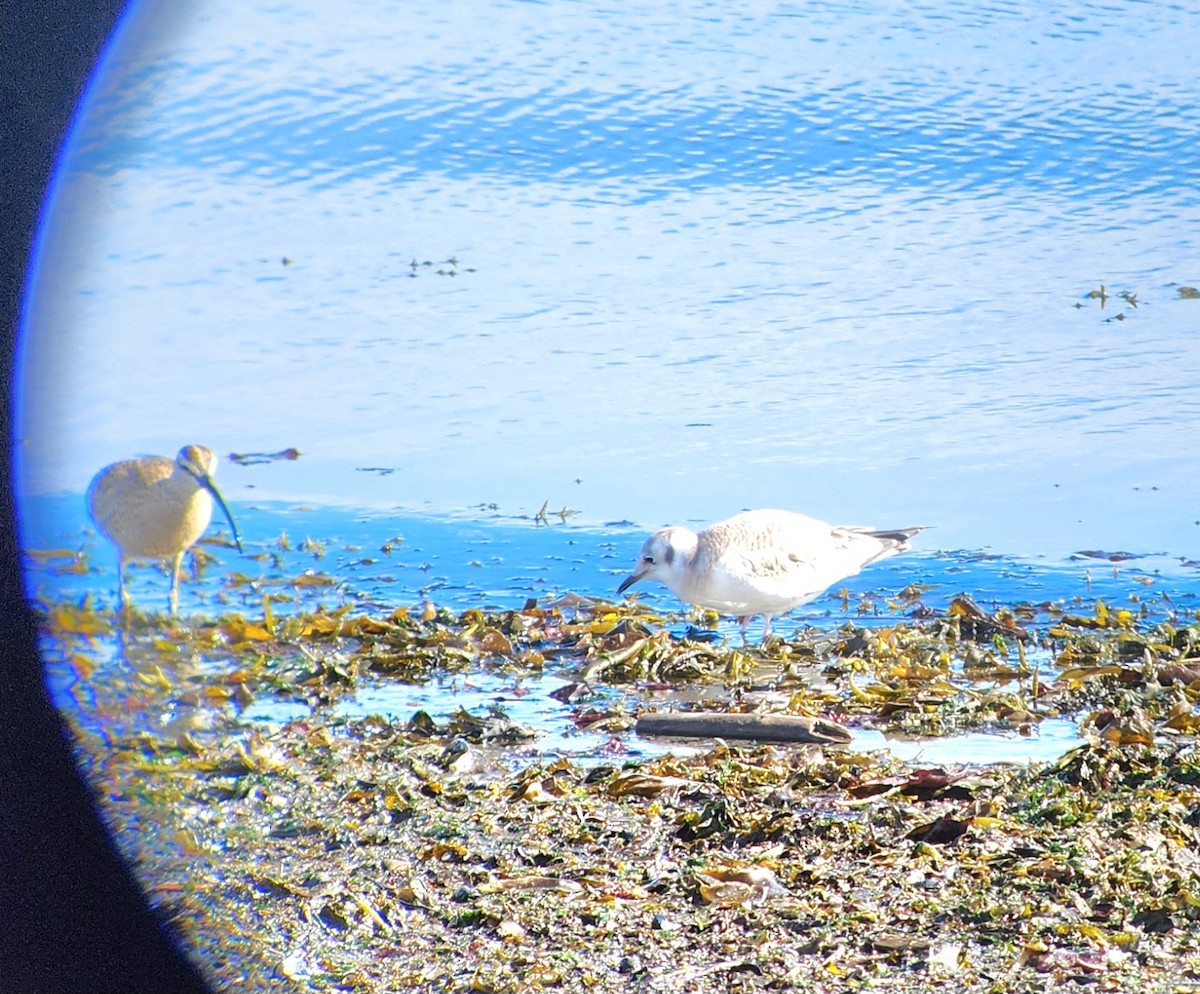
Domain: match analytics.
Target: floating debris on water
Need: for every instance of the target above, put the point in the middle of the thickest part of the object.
(259, 458)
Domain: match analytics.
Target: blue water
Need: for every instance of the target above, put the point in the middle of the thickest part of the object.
(378, 562)
(647, 264)
(822, 256)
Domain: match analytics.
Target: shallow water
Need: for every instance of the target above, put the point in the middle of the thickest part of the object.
(380, 562)
(527, 702)
(645, 264)
(383, 561)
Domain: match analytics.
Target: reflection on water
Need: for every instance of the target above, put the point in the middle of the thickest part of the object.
(1053, 738)
(528, 702)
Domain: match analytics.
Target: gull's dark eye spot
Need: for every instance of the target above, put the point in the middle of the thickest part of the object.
(670, 556)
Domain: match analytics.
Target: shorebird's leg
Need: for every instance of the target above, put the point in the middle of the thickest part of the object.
(743, 621)
(766, 628)
(122, 600)
(176, 565)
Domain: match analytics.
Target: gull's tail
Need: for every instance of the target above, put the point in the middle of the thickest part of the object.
(891, 541)
(896, 539)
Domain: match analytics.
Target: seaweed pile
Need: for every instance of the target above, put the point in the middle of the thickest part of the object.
(336, 854)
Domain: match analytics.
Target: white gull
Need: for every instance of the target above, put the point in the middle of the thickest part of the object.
(760, 562)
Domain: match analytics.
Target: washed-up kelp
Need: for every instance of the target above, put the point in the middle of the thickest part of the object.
(431, 853)
(942, 673)
(361, 856)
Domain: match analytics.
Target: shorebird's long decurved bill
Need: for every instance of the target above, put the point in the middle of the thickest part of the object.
(209, 484)
(205, 479)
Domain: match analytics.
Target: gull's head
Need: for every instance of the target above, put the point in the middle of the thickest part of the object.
(664, 557)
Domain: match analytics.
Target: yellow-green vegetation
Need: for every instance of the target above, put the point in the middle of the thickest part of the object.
(338, 854)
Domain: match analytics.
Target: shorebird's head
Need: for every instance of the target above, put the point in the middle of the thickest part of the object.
(200, 463)
(664, 558)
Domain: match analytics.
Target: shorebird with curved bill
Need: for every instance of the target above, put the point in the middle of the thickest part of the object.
(157, 508)
(760, 562)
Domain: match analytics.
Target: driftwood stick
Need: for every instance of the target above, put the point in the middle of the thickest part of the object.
(764, 727)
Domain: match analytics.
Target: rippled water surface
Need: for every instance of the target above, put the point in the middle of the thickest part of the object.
(643, 263)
